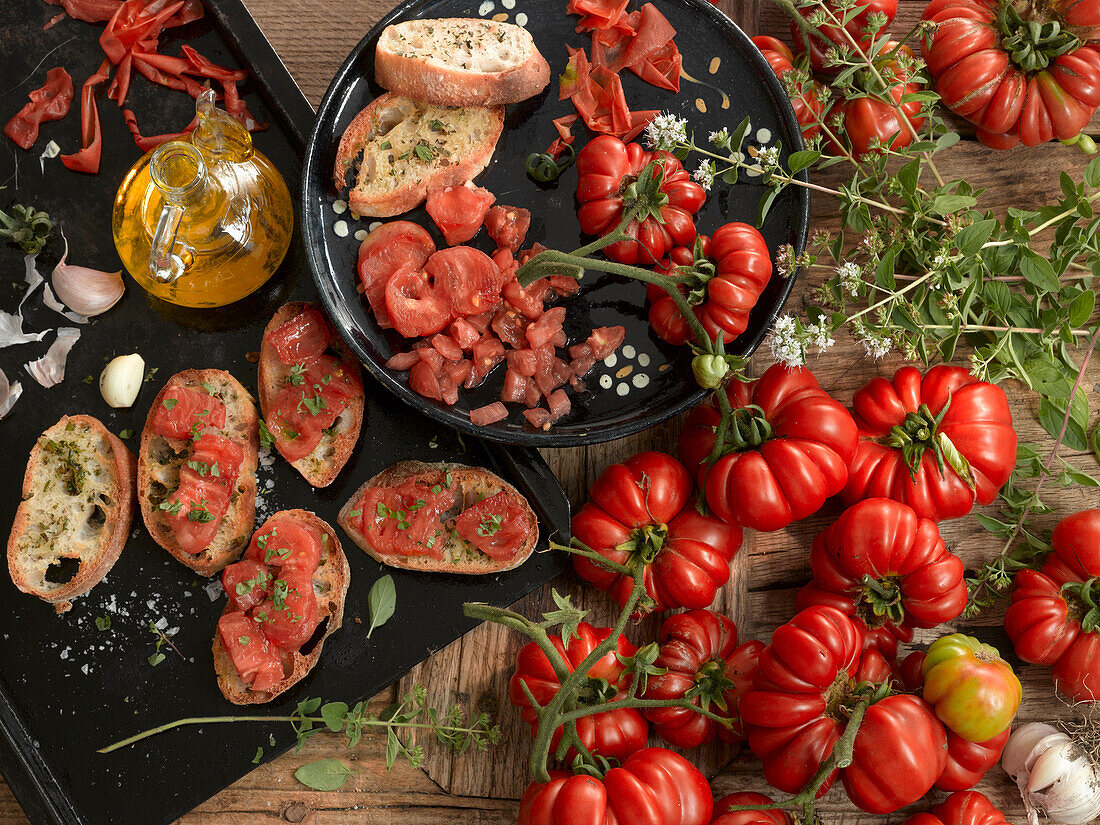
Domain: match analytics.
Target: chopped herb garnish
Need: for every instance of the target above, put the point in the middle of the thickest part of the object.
(385, 145)
(208, 388)
(198, 513)
(171, 507)
(434, 443)
(103, 623)
(355, 513)
(126, 434)
(425, 152)
(169, 403)
(266, 438)
(312, 405)
(489, 525)
(297, 375)
(243, 640)
(89, 379)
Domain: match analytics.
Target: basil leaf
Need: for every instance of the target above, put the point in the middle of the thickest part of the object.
(324, 774)
(382, 601)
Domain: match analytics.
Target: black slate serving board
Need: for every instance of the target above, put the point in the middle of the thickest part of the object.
(67, 688)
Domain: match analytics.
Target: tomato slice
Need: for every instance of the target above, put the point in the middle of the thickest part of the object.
(392, 246)
(247, 583)
(459, 211)
(417, 306)
(468, 276)
(302, 338)
(507, 226)
(407, 520)
(310, 402)
(289, 615)
(257, 663)
(183, 408)
(286, 543)
(496, 525)
(207, 480)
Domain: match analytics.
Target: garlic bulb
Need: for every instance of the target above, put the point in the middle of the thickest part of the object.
(1055, 775)
(121, 379)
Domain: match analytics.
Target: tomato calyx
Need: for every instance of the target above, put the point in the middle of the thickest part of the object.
(642, 194)
(596, 691)
(918, 432)
(711, 684)
(1033, 44)
(645, 543)
(846, 695)
(879, 602)
(748, 429)
(1083, 602)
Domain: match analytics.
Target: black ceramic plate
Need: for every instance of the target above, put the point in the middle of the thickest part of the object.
(67, 687)
(647, 381)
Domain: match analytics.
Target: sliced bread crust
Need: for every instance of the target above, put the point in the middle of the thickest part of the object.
(78, 503)
(160, 459)
(459, 556)
(328, 458)
(404, 157)
(460, 61)
(330, 583)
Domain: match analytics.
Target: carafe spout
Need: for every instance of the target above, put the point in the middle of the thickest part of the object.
(179, 172)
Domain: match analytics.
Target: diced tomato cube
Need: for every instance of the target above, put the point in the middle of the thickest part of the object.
(515, 387)
(487, 353)
(459, 372)
(480, 322)
(508, 225)
(509, 326)
(447, 347)
(424, 379)
(528, 302)
(448, 390)
(605, 340)
(532, 397)
(581, 366)
(564, 285)
(432, 357)
(464, 333)
(459, 211)
(489, 414)
(527, 254)
(559, 404)
(403, 360)
(538, 418)
(541, 332)
(506, 262)
(577, 384)
(581, 351)
(559, 339)
(523, 361)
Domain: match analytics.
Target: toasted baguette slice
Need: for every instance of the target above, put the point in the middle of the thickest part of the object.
(328, 458)
(471, 485)
(403, 157)
(460, 61)
(78, 503)
(158, 472)
(330, 584)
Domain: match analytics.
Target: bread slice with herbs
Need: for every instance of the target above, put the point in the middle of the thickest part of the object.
(460, 61)
(74, 520)
(470, 486)
(328, 458)
(330, 584)
(160, 459)
(405, 149)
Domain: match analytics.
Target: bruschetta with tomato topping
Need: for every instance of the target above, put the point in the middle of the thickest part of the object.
(78, 502)
(444, 518)
(311, 392)
(197, 469)
(285, 597)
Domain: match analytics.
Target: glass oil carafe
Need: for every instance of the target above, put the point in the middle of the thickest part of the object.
(206, 220)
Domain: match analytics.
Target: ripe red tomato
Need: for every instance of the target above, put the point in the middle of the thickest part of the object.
(731, 269)
(289, 615)
(972, 690)
(968, 762)
(637, 514)
(787, 450)
(246, 583)
(740, 670)
(301, 338)
(459, 211)
(406, 520)
(607, 170)
(853, 30)
(696, 648)
(507, 226)
(391, 247)
(1011, 88)
(181, 408)
(883, 565)
(722, 816)
(417, 306)
(496, 525)
(870, 122)
(654, 786)
(1049, 619)
(285, 542)
(614, 733)
(256, 661)
(966, 808)
(809, 105)
(923, 421)
(468, 277)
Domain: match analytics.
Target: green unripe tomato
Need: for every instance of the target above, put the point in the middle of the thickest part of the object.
(972, 690)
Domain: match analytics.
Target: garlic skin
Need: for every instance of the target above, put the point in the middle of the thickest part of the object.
(120, 380)
(1055, 775)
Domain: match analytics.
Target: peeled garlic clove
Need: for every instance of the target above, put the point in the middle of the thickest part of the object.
(121, 379)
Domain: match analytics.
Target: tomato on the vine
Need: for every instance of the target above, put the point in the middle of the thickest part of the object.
(971, 688)
(882, 564)
(614, 733)
(728, 271)
(639, 514)
(654, 786)
(808, 104)
(723, 816)
(697, 650)
(611, 181)
(852, 31)
(787, 450)
(1053, 618)
(937, 442)
(961, 808)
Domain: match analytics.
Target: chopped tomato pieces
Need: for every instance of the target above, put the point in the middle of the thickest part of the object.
(507, 226)
(415, 304)
(255, 660)
(247, 583)
(182, 410)
(207, 480)
(289, 615)
(489, 414)
(285, 543)
(50, 102)
(302, 338)
(597, 14)
(459, 211)
(392, 246)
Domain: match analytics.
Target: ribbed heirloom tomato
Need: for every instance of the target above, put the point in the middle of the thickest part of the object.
(610, 181)
(1017, 73)
(639, 514)
(969, 808)
(722, 816)
(937, 442)
(809, 105)
(615, 733)
(786, 451)
(971, 688)
(886, 567)
(729, 270)
(1053, 619)
(654, 786)
(704, 663)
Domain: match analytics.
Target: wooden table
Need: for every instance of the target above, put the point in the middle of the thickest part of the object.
(313, 37)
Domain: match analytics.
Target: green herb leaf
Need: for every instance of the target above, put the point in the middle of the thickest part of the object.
(382, 601)
(1094, 439)
(324, 774)
(259, 755)
(169, 403)
(334, 714)
(156, 658)
(266, 438)
(103, 623)
(1080, 308)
